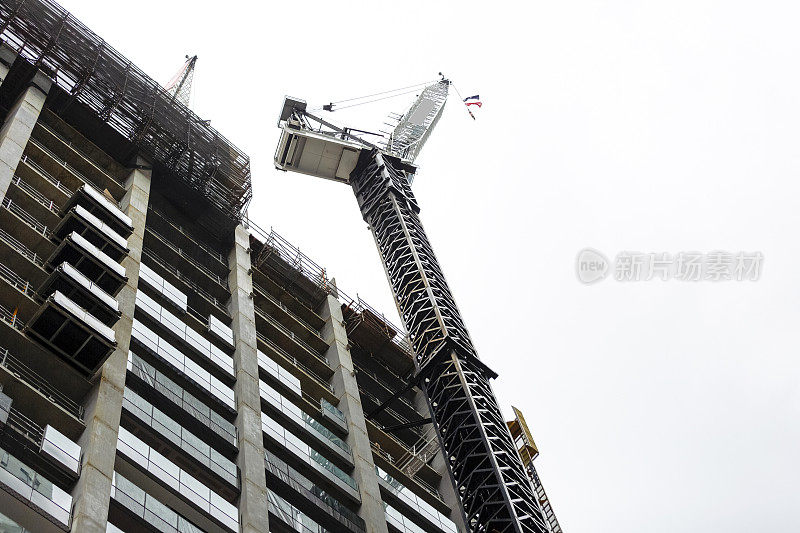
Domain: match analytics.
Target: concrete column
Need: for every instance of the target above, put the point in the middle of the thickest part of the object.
(253, 505)
(7, 57)
(344, 383)
(19, 123)
(104, 404)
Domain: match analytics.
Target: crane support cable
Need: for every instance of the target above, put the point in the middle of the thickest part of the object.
(331, 105)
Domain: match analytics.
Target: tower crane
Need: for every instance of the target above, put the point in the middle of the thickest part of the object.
(482, 459)
(180, 86)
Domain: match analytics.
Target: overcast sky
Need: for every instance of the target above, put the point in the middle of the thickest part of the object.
(620, 125)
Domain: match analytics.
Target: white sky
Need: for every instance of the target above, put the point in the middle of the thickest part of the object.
(650, 126)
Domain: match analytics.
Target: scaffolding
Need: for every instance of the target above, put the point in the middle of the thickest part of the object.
(92, 73)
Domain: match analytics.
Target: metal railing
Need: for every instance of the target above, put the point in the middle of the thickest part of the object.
(77, 151)
(25, 217)
(214, 254)
(36, 195)
(289, 253)
(10, 318)
(223, 282)
(21, 248)
(291, 334)
(61, 161)
(292, 359)
(16, 281)
(388, 457)
(361, 370)
(49, 177)
(286, 309)
(316, 494)
(362, 311)
(195, 287)
(22, 371)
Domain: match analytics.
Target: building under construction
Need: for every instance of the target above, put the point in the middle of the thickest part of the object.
(165, 364)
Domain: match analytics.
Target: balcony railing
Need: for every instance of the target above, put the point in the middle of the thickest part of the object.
(36, 195)
(213, 254)
(223, 282)
(361, 370)
(288, 311)
(21, 248)
(274, 346)
(79, 152)
(306, 487)
(49, 177)
(195, 287)
(291, 334)
(26, 217)
(11, 318)
(17, 367)
(16, 281)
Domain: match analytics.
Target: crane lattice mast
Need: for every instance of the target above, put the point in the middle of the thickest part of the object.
(180, 86)
(489, 477)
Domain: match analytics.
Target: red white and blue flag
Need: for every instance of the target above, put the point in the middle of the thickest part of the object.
(473, 100)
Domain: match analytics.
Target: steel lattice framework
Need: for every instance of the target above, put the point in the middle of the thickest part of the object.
(486, 469)
(94, 74)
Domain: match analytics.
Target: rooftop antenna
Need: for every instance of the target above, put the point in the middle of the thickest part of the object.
(180, 86)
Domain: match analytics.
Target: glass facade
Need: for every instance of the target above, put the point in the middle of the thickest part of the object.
(189, 403)
(183, 364)
(145, 506)
(275, 399)
(415, 502)
(180, 437)
(304, 451)
(186, 334)
(35, 488)
(166, 289)
(172, 475)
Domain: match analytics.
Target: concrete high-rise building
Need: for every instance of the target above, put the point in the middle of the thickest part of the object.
(166, 365)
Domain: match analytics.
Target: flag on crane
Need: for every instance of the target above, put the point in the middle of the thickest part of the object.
(473, 100)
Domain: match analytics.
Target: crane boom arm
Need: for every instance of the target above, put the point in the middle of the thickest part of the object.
(418, 122)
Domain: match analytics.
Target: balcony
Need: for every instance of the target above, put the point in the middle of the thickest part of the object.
(179, 482)
(81, 165)
(178, 444)
(288, 317)
(316, 380)
(40, 395)
(28, 485)
(288, 340)
(79, 220)
(104, 209)
(67, 280)
(277, 437)
(32, 200)
(44, 447)
(425, 515)
(146, 508)
(163, 269)
(107, 274)
(313, 500)
(26, 228)
(72, 333)
(162, 246)
(180, 404)
(304, 425)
